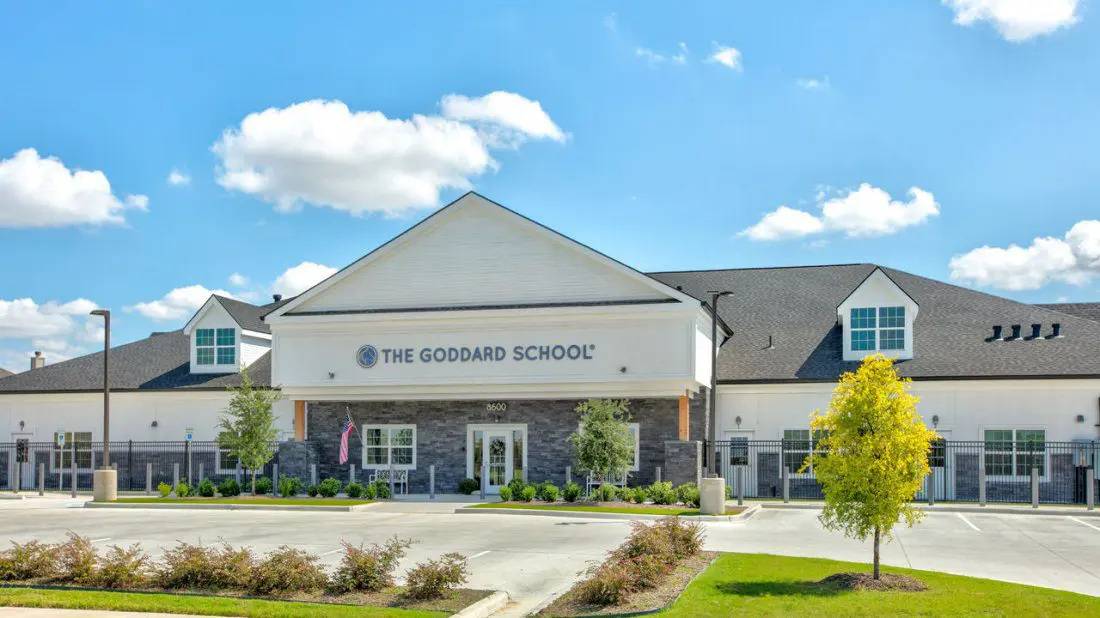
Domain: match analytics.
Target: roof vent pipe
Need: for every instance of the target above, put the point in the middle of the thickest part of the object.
(277, 297)
(1036, 331)
(997, 333)
(1016, 328)
(1057, 331)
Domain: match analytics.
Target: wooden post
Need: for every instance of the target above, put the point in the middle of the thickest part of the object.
(685, 416)
(299, 421)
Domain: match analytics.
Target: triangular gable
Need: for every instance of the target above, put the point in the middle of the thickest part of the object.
(475, 253)
(876, 286)
(203, 310)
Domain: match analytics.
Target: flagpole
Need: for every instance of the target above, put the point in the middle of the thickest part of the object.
(347, 410)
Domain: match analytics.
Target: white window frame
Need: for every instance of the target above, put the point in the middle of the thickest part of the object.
(390, 428)
(1045, 476)
(878, 329)
(59, 454)
(216, 347)
(483, 427)
(795, 474)
(636, 430)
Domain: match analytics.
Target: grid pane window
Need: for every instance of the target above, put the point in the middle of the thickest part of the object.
(204, 336)
(204, 346)
(1011, 452)
(892, 339)
(863, 340)
(385, 442)
(63, 456)
(937, 455)
(863, 317)
(1030, 451)
(227, 336)
(796, 448)
(204, 356)
(891, 317)
(227, 356)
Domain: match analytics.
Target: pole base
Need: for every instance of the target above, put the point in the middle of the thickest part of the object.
(712, 496)
(105, 485)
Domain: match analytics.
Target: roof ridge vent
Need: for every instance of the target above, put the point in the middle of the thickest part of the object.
(1036, 332)
(1016, 330)
(1055, 331)
(997, 336)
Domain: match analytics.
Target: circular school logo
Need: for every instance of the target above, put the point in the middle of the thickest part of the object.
(367, 356)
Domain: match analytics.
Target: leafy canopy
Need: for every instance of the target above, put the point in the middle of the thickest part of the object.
(248, 425)
(875, 452)
(603, 444)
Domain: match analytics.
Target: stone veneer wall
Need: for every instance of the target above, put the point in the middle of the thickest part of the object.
(441, 434)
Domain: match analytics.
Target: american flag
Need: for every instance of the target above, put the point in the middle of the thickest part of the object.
(348, 427)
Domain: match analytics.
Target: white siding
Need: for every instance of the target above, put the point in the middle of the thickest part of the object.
(252, 348)
(479, 255)
(215, 317)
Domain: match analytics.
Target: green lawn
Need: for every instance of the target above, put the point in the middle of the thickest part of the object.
(763, 585)
(638, 510)
(200, 605)
(249, 500)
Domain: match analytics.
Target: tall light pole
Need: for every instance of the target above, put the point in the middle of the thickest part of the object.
(106, 313)
(710, 455)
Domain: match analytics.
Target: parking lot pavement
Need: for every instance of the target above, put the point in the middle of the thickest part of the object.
(529, 557)
(1055, 552)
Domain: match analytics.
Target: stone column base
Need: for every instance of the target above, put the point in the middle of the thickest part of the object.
(712, 496)
(105, 485)
(683, 461)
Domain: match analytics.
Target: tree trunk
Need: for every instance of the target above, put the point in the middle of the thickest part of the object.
(877, 538)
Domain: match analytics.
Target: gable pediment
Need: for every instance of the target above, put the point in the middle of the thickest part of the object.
(474, 254)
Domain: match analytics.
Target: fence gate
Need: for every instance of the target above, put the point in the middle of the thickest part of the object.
(734, 454)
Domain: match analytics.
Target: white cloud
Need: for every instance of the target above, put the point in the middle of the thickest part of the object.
(651, 56)
(813, 83)
(1017, 20)
(323, 153)
(178, 304)
(42, 192)
(682, 56)
(1074, 259)
(726, 56)
(518, 115)
(176, 177)
(656, 58)
(867, 211)
(783, 223)
(57, 329)
(301, 277)
(238, 280)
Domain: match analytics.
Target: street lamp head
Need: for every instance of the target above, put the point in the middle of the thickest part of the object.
(102, 312)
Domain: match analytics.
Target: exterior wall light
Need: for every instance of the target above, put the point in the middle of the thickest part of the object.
(20, 425)
(1080, 418)
(935, 420)
(738, 421)
(153, 424)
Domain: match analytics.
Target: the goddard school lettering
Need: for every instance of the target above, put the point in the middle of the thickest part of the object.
(488, 353)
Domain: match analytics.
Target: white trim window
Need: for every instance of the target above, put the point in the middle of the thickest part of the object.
(223, 461)
(800, 445)
(877, 329)
(1013, 452)
(635, 431)
(215, 346)
(385, 443)
(63, 456)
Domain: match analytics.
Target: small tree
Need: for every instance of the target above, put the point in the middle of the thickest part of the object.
(873, 454)
(603, 444)
(248, 425)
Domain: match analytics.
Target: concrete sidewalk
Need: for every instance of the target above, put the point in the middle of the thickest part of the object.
(957, 507)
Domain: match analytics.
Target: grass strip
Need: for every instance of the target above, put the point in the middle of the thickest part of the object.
(639, 510)
(250, 501)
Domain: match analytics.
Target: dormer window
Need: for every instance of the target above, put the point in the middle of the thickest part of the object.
(877, 328)
(216, 345)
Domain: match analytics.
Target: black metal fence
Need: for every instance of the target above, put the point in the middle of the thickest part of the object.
(961, 471)
(20, 463)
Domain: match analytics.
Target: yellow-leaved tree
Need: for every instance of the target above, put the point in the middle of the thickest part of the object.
(873, 454)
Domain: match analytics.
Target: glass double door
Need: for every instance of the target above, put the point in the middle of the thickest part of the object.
(498, 453)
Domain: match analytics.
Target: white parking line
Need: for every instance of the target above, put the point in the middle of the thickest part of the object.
(335, 551)
(968, 522)
(106, 538)
(1085, 523)
(478, 555)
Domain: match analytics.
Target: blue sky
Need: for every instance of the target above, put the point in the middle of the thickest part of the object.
(667, 139)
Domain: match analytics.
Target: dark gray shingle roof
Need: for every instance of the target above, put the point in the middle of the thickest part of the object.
(1088, 311)
(158, 362)
(796, 307)
(249, 317)
(5, 373)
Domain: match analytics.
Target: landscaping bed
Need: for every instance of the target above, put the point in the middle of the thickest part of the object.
(250, 500)
(603, 507)
(767, 585)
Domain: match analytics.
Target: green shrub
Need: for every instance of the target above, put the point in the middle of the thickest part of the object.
(605, 493)
(370, 491)
(528, 494)
(286, 572)
(183, 490)
(382, 490)
(505, 494)
(610, 584)
(76, 560)
(571, 491)
(229, 488)
(123, 568)
(432, 579)
(729, 492)
(206, 488)
(467, 487)
(688, 494)
(662, 493)
(165, 490)
(637, 495)
(31, 560)
(289, 486)
(189, 566)
(312, 491)
(549, 492)
(264, 486)
(354, 490)
(369, 569)
(517, 485)
(329, 487)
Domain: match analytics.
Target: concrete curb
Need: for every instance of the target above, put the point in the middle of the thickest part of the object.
(485, 607)
(954, 508)
(742, 516)
(12, 497)
(229, 507)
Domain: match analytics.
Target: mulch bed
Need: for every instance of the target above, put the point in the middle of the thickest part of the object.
(887, 582)
(643, 601)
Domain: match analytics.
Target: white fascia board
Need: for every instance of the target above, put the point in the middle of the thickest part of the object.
(451, 210)
(927, 385)
(255, 333)
(201, 312)
(465, 391)
(877, 276)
